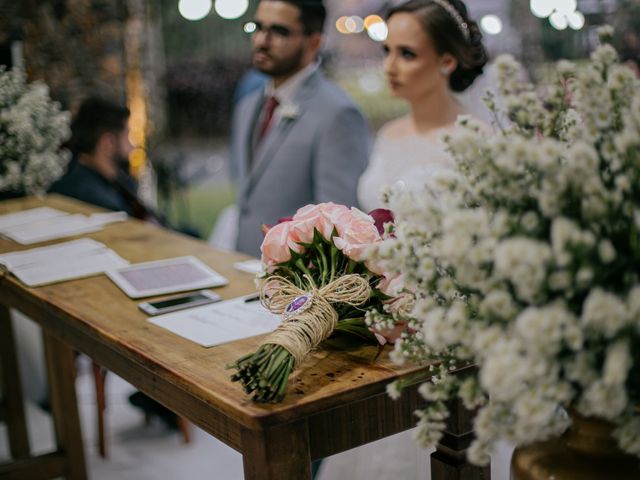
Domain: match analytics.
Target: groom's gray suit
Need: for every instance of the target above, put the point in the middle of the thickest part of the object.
(314, 154)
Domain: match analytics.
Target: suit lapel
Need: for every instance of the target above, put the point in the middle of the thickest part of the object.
(268, 150)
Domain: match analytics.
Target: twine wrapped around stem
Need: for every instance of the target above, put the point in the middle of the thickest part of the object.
(302, 332)
(266, 371)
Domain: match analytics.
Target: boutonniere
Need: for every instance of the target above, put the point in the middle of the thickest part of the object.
(289, 111)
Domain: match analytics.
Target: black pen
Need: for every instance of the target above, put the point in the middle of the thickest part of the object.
(252, 298)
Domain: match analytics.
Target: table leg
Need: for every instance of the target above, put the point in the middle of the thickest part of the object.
(64, 406)
(277, 453)
(12, 402)
(449, 461)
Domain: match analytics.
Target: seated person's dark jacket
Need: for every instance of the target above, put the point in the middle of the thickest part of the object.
(86, 184)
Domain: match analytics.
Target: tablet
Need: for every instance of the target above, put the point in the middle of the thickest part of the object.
(165, 276)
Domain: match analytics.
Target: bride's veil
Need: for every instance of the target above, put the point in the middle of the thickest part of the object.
(471, 98)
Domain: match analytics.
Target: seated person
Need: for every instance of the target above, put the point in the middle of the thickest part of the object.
(98, 174)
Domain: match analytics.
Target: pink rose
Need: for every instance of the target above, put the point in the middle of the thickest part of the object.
(265, 227)
(322, 217)
(391, 285)
(277, 245)
(357, 232)
(374, 267)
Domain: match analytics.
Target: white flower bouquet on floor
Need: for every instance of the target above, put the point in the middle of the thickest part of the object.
(32, 129)
(527, 262)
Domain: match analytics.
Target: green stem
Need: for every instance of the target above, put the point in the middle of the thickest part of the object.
(334, 252)
(300, 264)
(351, 267)
(323, 260)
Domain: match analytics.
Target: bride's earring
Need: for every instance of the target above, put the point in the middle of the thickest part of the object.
(444, 71)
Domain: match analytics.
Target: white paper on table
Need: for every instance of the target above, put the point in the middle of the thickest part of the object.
(249, 266)
(103, 218)
(63, 261)
(220, 322)
(51, 228)
(28, 216)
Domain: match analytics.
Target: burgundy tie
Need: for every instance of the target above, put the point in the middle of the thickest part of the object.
(267, 115)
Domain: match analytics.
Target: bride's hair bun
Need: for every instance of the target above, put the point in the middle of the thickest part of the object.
(463, 39)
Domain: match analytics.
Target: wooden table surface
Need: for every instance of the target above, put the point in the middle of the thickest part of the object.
(336, 400)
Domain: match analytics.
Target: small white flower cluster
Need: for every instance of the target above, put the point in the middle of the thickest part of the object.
(527, 262)
(32, 129)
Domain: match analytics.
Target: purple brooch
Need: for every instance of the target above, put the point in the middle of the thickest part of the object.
(298, 305)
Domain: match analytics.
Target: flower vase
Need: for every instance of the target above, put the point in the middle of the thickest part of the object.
(586, 451)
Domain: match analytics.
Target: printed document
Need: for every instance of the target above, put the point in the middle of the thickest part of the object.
(42, 224)
(62, 261)
(220, 322)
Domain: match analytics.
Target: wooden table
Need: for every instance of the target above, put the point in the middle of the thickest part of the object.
(336, 401)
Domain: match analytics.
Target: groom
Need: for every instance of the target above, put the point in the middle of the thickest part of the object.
(300, 139)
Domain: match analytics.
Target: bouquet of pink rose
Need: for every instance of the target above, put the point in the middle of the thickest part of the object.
(316, 278)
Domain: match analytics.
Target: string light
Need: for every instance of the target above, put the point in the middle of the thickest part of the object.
(491, 24)
(194, 9)
(378, 31)
(231, 9)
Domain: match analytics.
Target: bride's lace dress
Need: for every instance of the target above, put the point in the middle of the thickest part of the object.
(402, 162)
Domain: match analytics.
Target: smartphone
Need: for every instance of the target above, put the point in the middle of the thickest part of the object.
(179, 302)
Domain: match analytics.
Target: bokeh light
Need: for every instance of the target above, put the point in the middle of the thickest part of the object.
(194, 9)
(566, 7)
(341, 25)
(378, 31)
(558, 21)
(542, 8)
(576, 20)
(231, 9)
(491, 24)
(354, 24)
(372, 20)
(370, 82)
(249, 27)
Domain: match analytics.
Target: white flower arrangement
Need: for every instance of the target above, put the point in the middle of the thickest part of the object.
(32, 129)
(527, 264)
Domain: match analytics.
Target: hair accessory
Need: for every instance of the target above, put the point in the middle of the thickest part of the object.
(464, 28)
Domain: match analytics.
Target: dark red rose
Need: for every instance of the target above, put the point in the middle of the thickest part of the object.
(380, 217)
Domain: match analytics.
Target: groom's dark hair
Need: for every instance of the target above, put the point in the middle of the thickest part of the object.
(312, 14)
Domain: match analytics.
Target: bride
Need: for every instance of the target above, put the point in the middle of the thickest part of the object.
(433, 51)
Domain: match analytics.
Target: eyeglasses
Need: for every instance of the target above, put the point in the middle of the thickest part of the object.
(275, 31)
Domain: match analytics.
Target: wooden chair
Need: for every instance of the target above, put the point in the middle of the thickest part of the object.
(99, 378)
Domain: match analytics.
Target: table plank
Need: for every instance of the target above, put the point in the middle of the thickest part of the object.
(60, 361)
(12, 402)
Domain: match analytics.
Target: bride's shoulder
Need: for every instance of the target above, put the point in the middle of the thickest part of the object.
(469, 118)
(397, 128)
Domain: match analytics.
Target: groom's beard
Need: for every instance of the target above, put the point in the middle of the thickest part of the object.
(121, 162)
(280, 67)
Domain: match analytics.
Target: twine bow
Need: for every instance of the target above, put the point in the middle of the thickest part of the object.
(302, 332)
